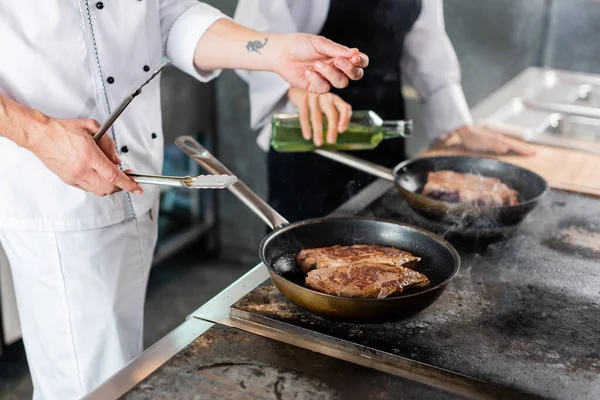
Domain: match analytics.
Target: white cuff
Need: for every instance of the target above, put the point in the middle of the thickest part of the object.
(268, 95)
(184, 36)
(446, 110)
(264, 138)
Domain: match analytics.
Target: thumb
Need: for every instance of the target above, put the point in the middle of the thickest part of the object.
(109, 148)
(330, 48)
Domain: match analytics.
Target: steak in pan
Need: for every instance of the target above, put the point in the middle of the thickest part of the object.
(368, 281)
(454, 187)
(341, 256)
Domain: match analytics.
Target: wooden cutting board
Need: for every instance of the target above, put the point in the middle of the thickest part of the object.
(564, 169)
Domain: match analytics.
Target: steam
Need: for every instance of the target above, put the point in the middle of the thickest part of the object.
(469, 221)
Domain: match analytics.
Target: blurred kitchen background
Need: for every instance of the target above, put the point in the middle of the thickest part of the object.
(209, 239)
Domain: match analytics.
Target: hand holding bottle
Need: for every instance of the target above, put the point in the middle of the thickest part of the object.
(311, 108)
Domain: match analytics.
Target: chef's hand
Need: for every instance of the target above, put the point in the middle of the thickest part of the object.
(312, 107)
(314, 63)
(476, 138)
(308, 62)
(67, 148)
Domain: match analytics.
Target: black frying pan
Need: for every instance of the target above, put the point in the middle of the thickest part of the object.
(410, 178)
(440, 261)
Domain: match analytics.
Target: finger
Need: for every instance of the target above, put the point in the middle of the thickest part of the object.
(81, 181)
(93, 184)
(106, 144)
(76, 186)
(498, 147)
(114, 189)
(101, 184)
(316, 119)
(518, 147)
(328, 107)
(477, 139)
(350, 70)
(513, 145)
(317, 84)
(113, 175)
(360, 60)
(330, 48)
(118, 189)
(333, 75)
(345, 112)
(109, 148)
(91, 125)
(304, 115)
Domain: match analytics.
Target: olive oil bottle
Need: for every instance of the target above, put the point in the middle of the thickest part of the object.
(365, 131)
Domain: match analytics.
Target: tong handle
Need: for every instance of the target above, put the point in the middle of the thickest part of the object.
(160, 180)
(209, 162)
(112, 118)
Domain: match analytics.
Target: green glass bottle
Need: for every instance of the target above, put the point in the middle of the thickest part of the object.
(365, 131)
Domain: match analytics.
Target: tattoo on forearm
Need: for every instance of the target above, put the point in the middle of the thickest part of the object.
(256, 45)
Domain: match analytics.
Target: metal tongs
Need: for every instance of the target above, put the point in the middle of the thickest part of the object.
(190, 182)
(113, 117)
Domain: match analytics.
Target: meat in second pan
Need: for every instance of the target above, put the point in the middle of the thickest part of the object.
(374, 281)
(478, 190)
(341, 256)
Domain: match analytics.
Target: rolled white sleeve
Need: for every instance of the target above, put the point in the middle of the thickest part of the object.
(445, 110)
(268, 96)
(268, 91)
(430, 64)
(183, 22)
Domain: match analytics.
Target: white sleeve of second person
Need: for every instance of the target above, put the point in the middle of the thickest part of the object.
(183, 22)
(429, 62)
(268, 91)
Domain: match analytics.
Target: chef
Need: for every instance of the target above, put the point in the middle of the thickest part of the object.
(79, 233)
(402, 38)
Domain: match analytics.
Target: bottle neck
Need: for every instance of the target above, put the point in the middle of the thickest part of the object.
(397, 128)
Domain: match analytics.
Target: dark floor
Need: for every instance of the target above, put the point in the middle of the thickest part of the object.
(176, 289)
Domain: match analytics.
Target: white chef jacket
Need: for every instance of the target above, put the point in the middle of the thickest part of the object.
(429, 63)
(79, 59)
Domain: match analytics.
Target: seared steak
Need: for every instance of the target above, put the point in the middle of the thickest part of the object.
(341, 256)
(478, 190)
(369, 281)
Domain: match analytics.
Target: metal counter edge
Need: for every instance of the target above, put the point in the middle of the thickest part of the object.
(150, 360)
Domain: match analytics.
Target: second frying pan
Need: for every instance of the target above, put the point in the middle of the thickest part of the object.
(440, 261)
(410, 178)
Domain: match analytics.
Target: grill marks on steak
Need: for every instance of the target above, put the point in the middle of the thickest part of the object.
(360, 271)
(341, 256)
(375, 281)
(472, 189)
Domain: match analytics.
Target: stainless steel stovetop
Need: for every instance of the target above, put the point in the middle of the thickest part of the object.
(518, 321)
(552, 107)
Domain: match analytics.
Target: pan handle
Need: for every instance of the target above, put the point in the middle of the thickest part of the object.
(210, 163)
(361, 165)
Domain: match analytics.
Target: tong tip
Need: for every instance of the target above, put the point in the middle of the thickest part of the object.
(212, 181)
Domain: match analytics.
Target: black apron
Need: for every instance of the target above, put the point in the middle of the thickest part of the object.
(306, 185)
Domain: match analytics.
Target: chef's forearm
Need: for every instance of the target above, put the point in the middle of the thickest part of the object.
(17, 122)
(227, 45)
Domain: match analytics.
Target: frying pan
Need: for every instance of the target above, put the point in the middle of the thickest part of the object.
(440, 261)
(410, 178)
